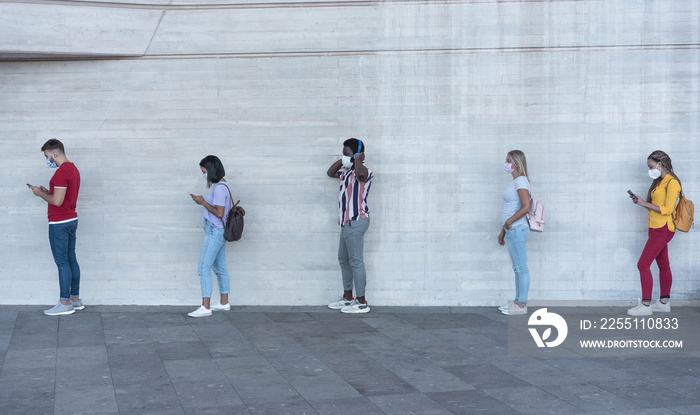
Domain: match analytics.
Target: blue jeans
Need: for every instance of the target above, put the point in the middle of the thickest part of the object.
(213, 257)
(350, 255)
(62, 240)
(515, 240)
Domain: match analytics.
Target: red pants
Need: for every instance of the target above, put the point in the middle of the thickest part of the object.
(656, 249)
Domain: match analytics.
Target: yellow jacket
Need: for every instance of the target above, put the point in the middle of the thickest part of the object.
(666, 201)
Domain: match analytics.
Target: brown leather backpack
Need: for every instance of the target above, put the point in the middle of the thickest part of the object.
(233, 228)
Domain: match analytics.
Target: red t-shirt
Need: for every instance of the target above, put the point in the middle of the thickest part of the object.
(66, 177)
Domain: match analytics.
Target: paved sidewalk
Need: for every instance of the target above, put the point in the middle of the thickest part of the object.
(311, 360)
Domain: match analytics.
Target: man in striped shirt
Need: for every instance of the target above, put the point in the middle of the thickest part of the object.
(355, 182)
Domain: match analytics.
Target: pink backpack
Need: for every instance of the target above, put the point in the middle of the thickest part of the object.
(536, 216)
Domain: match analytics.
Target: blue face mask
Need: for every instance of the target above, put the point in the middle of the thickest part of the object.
(50, 163)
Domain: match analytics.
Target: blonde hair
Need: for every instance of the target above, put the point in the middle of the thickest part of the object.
(519, 161)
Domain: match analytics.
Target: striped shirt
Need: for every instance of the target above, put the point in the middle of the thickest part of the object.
(353, 196)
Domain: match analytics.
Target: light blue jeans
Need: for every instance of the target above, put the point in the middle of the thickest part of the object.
(213, 257)
(515, 240)
(351, 255)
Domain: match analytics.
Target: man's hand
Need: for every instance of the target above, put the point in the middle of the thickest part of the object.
(39, 190)
(360, 157)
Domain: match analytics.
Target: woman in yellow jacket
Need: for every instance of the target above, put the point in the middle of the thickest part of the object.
(661, 202)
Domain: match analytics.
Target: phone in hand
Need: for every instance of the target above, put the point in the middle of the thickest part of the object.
(630, 193)
(30, 185)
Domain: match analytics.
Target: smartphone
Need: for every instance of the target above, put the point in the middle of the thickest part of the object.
(29, 185)
(630, 193)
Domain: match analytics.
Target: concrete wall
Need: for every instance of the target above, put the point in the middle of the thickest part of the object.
(438, 92)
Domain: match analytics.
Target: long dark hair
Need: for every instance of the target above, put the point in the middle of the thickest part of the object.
(215, 169)
(659, 156)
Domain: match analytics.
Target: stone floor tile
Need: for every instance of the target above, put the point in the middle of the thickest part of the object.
(193, 370)
(290, 317)
(40, 340)
(128, 336)
(182, 351)
(27, 391)
(683, 410)
(215, 392)
(591, 398)
(173, 333)
(85, 400)
(150, 395)
(346, 406)
(122, 321)
(409, 404)
(255, 380)
(684, 384)
(309, 360)
(470, 402)
(70, 357)
(296, 407)
(20, 359)
(647, 394)
(162, 319)
(588, 369)
(436, 321)
(221, 410)
(535, 372)
(485, 375)
(532, 400)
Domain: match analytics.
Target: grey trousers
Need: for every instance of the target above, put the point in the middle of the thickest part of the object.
(350, 255)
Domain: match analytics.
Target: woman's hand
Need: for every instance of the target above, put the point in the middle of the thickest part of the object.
(197, 199)
(637, 200)
(502, 237)
(643, 203)
(508, 224)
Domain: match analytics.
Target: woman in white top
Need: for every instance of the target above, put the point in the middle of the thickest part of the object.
(516, 230)
(213, 253)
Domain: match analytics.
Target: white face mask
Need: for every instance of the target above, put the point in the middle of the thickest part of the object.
(347, 163)
(508, 167)
(654, 173)
(205, 176)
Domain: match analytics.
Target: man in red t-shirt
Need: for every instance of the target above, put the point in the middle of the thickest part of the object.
(62, 197)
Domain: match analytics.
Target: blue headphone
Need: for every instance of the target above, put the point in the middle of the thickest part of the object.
(359, 147)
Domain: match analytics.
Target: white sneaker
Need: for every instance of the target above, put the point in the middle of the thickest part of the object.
(641, 310)
(505, 307)
(515, 310)
(337, 305)
(200, 312)
(659, 307)
(355, 307)
(221, 307)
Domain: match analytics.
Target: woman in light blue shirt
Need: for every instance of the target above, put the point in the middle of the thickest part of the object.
(516, 230)
(213, 253)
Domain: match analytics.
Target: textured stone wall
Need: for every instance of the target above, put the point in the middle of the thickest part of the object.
(439, 92)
